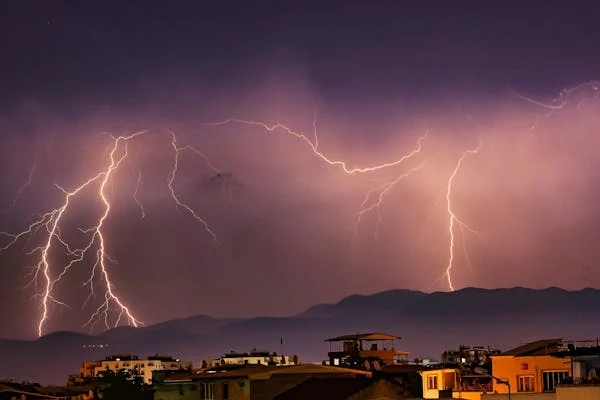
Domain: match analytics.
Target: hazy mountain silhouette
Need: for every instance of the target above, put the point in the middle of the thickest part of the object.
(428, 324)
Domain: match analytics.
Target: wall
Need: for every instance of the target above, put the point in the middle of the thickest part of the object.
(179, 391)
(467, 395)
(509, 367)
(442, 384)
(578, 392)
(521, 396)
(238, 389)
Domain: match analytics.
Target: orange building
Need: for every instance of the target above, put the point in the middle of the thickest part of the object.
(530, 368)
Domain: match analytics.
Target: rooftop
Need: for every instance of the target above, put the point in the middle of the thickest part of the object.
(364, 336)
(266, 372)
(331, 389)
(537, 348)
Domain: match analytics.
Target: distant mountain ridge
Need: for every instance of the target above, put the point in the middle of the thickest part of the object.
(504, 301)
(427, 322)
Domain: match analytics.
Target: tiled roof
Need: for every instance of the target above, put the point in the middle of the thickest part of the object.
(537, 348)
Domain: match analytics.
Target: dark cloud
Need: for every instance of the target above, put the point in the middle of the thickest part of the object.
(377, 78)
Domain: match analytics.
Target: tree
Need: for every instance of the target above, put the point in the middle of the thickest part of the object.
(123, 384)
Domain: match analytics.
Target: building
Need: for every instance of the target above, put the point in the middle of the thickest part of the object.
(369, 351)
(530, 368)
(256, 382)
(254, 357)
(457, 383)
(141, 367)
(468, 355)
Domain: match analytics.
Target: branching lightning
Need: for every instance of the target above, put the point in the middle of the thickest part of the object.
(112, 309)
(367, 207)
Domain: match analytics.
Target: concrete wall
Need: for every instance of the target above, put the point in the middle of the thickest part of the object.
(444, 381)
(520, 396)
(509, 367)
(578, 392)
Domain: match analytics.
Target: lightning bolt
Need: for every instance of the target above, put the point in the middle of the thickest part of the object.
(112, 309)
(24, 185)
(453, 219)
(138, 182)
(366, 207)
(313, 145)
(563, 98)
(171, 181)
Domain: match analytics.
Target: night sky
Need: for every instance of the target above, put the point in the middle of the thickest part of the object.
(511, 81)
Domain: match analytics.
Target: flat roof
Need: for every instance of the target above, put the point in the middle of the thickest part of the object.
(364, 336)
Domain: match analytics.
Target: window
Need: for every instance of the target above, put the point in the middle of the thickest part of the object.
(225, 391)
(552, 378)
(207, 391)
(526, 383)
(432, 382)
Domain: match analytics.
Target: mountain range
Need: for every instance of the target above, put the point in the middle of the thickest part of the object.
(427, 322)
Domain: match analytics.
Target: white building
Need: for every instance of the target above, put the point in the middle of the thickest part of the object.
(263, 357)
(142, 367)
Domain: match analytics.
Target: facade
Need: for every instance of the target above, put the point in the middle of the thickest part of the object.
(369, 351)
(531, 368)
(454, 383)
(563, 392)
(142, 367)
(254, 357)
(438, 381)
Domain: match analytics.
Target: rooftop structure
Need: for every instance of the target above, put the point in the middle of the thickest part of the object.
(255, 356)
(369, 351)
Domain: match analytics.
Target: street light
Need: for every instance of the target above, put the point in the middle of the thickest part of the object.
(483, 371)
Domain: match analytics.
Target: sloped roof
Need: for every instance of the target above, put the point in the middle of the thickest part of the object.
(7, 393)
(266, 372)
(364, 336)
(537, 348)
(330, 389)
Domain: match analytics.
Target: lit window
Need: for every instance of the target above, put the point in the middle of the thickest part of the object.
(432, 382)
(207, 391)
(526, 383)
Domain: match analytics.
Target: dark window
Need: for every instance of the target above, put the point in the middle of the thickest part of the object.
(225, 391)
(552, 378)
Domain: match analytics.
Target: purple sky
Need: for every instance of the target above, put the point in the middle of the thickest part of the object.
(377, 77)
